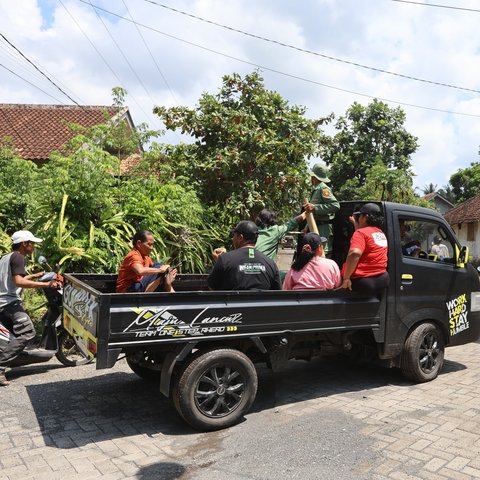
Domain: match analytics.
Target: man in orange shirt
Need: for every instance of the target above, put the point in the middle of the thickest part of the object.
(138, 273)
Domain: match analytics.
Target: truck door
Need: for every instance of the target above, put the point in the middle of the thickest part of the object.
(428, 284)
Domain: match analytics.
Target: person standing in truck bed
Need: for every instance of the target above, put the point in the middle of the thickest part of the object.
(322, 204)
(244, 268)
(270, 234)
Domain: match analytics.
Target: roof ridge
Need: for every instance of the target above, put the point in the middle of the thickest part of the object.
(55, 107)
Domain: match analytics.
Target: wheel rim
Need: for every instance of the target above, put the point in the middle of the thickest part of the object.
(71, 352)
(219, 391)
(429, 354)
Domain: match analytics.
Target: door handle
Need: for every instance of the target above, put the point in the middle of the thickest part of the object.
(407, 278)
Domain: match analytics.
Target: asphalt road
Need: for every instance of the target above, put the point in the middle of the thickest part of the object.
(326, 419)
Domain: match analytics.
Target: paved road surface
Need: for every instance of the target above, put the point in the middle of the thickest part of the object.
(327, 419)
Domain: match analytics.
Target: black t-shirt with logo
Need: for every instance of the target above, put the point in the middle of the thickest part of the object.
(244, 269)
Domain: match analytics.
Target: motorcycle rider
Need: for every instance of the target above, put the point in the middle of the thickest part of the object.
(13, 277)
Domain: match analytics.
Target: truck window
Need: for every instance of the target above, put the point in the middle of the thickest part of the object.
(425, 240)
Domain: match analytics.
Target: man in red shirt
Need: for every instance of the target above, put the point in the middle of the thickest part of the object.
(138, 273)
(365, 269)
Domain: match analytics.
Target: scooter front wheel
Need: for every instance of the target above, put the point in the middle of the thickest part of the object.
(68, 353)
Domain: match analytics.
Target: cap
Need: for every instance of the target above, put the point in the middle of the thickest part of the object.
(368, 208)
(25, 236)
(320, 172)
(248, 229)
(314, 240)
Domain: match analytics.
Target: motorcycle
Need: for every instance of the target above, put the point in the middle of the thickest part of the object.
(55, 340)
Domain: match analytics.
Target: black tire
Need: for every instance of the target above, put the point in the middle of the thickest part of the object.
(68, 353)
(423, 353)
(215, 389)
(144, 365)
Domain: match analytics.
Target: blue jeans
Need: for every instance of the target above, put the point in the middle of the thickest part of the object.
(146, 281)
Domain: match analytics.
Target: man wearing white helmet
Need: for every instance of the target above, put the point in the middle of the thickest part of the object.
(13, 277)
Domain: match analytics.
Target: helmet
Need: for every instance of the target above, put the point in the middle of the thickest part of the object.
(320, 171)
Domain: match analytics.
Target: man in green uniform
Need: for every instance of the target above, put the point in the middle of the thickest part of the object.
(322, 204)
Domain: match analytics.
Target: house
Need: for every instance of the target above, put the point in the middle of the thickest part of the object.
(38, 130)
(442, 204)
(465, 221)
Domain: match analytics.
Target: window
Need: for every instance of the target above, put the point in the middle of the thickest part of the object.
(425, 240)
(470, 232)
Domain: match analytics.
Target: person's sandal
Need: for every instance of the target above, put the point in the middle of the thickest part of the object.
(3, 379)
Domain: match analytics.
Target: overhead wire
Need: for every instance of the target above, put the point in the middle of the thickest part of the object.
(34, 74)
(38, 69)
(311, 52)
(32, 84)
(438, 6)
(280, 72)
(140, 81)
(101, 56)
(151, 55)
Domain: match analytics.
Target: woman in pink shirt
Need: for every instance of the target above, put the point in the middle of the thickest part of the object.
(311, 270)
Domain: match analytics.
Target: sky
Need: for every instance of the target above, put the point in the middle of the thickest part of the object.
(170, 58)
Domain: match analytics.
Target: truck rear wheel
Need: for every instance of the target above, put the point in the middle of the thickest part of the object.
(423, 353)
(215, 388)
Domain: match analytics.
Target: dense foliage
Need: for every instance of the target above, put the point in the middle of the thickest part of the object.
(465, 182)
(249, 149)
(367, 137)
(87, 213)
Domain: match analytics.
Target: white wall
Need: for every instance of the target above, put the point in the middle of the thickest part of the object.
(473, 247)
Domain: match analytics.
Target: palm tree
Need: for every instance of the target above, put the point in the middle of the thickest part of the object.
(430, 188)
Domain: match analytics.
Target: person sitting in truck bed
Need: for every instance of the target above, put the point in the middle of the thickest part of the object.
(365, 269)
(311, 270)
(138, 273)
(244, 268)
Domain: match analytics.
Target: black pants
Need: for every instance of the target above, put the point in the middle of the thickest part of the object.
(371, 285)
(22, 329)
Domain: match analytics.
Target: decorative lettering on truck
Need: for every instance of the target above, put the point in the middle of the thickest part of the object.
(458, 314)
(151, 322)
(81, 305)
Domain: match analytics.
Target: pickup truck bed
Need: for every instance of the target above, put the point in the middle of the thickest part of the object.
(201, 346)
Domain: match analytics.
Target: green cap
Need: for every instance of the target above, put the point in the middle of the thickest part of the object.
(320, 171)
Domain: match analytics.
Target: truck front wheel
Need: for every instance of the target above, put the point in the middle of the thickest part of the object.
(215, 388)
(423, 353)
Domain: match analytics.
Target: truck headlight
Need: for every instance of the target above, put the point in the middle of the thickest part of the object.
(475, 303)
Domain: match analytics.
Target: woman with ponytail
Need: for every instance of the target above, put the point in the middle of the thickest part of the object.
(311, 270)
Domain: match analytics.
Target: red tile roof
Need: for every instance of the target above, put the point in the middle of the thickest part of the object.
(429, 196)
(37, 130)
(468, 211)
(432, 196)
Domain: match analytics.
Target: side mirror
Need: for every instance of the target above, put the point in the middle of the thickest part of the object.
(461, 256)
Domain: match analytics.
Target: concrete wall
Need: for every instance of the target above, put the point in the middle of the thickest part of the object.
(473, 246)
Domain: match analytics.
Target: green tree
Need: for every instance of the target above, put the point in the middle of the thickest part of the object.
(17, 187)
(249, 150)
(390, 185)
(366, 136)
(466, 182)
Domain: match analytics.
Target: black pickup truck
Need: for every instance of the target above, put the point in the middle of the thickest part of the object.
(202, 345)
